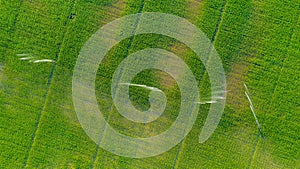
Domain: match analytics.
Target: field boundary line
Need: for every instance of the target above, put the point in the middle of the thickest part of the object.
(118, 79)
(39, 116)
(214, 37)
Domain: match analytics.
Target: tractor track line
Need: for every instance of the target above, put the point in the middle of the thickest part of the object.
(118, 79)
(274, 90)
(39, 116)
(214, 37)
(282, 66)
(13, 27)
(253, 151)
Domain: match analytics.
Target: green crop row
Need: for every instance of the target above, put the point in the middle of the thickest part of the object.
(42, 31)
(38, 124)
(72, 147)
(273, 83)
(26, 83)
(139, 97)
(225, 24)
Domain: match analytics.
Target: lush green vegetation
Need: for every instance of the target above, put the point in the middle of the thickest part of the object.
(258, 41)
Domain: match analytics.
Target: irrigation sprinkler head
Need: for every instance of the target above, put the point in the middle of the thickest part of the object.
(252, 110)
(143, 86)
(220, 91)
(219, 97)
(93, 52)
(27, 58)
(206, 102)
(246, 88)
(42, 61)
(22, 54)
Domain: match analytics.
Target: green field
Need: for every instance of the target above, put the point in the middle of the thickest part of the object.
(258, 42)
